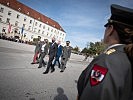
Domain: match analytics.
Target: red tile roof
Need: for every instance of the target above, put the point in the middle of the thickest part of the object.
(14, 4)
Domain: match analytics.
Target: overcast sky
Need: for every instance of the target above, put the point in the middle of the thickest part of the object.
(82, 20)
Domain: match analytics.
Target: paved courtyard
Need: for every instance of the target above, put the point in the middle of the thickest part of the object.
(19, 80)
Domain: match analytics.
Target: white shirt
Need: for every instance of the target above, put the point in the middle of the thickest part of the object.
(42, 48)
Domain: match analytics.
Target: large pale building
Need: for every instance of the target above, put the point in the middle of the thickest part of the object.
(17, 19)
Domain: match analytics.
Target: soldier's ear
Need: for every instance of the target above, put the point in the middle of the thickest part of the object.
(110, 30)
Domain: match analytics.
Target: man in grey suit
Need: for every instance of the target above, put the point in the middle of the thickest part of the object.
(65, 55)
(52, 54)
(43, 53)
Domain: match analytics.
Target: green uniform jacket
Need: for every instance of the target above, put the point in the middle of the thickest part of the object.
(66, 52)
(107, 77)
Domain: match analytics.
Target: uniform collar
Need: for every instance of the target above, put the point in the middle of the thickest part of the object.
(115, 45)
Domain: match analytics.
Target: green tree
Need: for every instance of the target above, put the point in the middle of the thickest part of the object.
(93, 48)
(76, 49)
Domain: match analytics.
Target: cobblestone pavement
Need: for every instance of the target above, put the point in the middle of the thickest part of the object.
(19, 80)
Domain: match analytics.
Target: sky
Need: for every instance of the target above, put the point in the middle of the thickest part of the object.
(82, 20)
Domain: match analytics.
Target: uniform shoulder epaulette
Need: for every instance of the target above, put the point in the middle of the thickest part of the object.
(110, 51)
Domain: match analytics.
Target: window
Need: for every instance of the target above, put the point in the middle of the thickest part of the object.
(47, 34)
(52, 30)
(19, 9)
(28, 13)
(18, 16)
(42, 32)
(36, 24)
(8, 3)
(23, 25)
(48, 28)
(34, 29)
(38, 31)
(40, 25)
(1, 10)
(25, 19)
(32, 36)
(16, 23)
(29, 28)
(7, 20)
(44, 27)
(30, 21)
(9, 13)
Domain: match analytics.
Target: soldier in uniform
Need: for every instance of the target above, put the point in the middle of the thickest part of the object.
(109, 76)
(66, 53)
(37, 50)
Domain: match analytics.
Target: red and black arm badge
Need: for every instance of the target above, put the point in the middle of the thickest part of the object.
(98, 74)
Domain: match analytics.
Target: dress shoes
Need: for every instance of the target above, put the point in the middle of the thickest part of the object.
(52, 70)
(61, 71)
(46, 72)
(39, 66)
(33, 63)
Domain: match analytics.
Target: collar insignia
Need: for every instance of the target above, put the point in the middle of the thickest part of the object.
(108, 52)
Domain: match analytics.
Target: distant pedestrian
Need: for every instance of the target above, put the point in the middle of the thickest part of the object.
(37, 50)
(43, 53)
(86, 56)
(58, 54)
(52, 55)
(65, 55)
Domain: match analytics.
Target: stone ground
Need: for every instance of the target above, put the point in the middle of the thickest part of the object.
(19, 80)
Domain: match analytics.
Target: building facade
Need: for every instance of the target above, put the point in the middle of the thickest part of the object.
(17, 19)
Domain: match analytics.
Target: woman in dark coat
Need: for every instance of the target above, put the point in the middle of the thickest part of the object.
(109, 76)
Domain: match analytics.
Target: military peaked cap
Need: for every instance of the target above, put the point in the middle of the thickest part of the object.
(122, 15)
(67, 41)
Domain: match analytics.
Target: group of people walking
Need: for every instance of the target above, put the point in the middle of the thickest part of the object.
(55, 51)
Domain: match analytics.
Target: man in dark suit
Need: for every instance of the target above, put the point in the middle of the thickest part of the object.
(52, 55)
(58, 54)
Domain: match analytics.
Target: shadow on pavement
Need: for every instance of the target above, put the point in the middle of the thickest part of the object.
(32, 99)
(61, 95)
